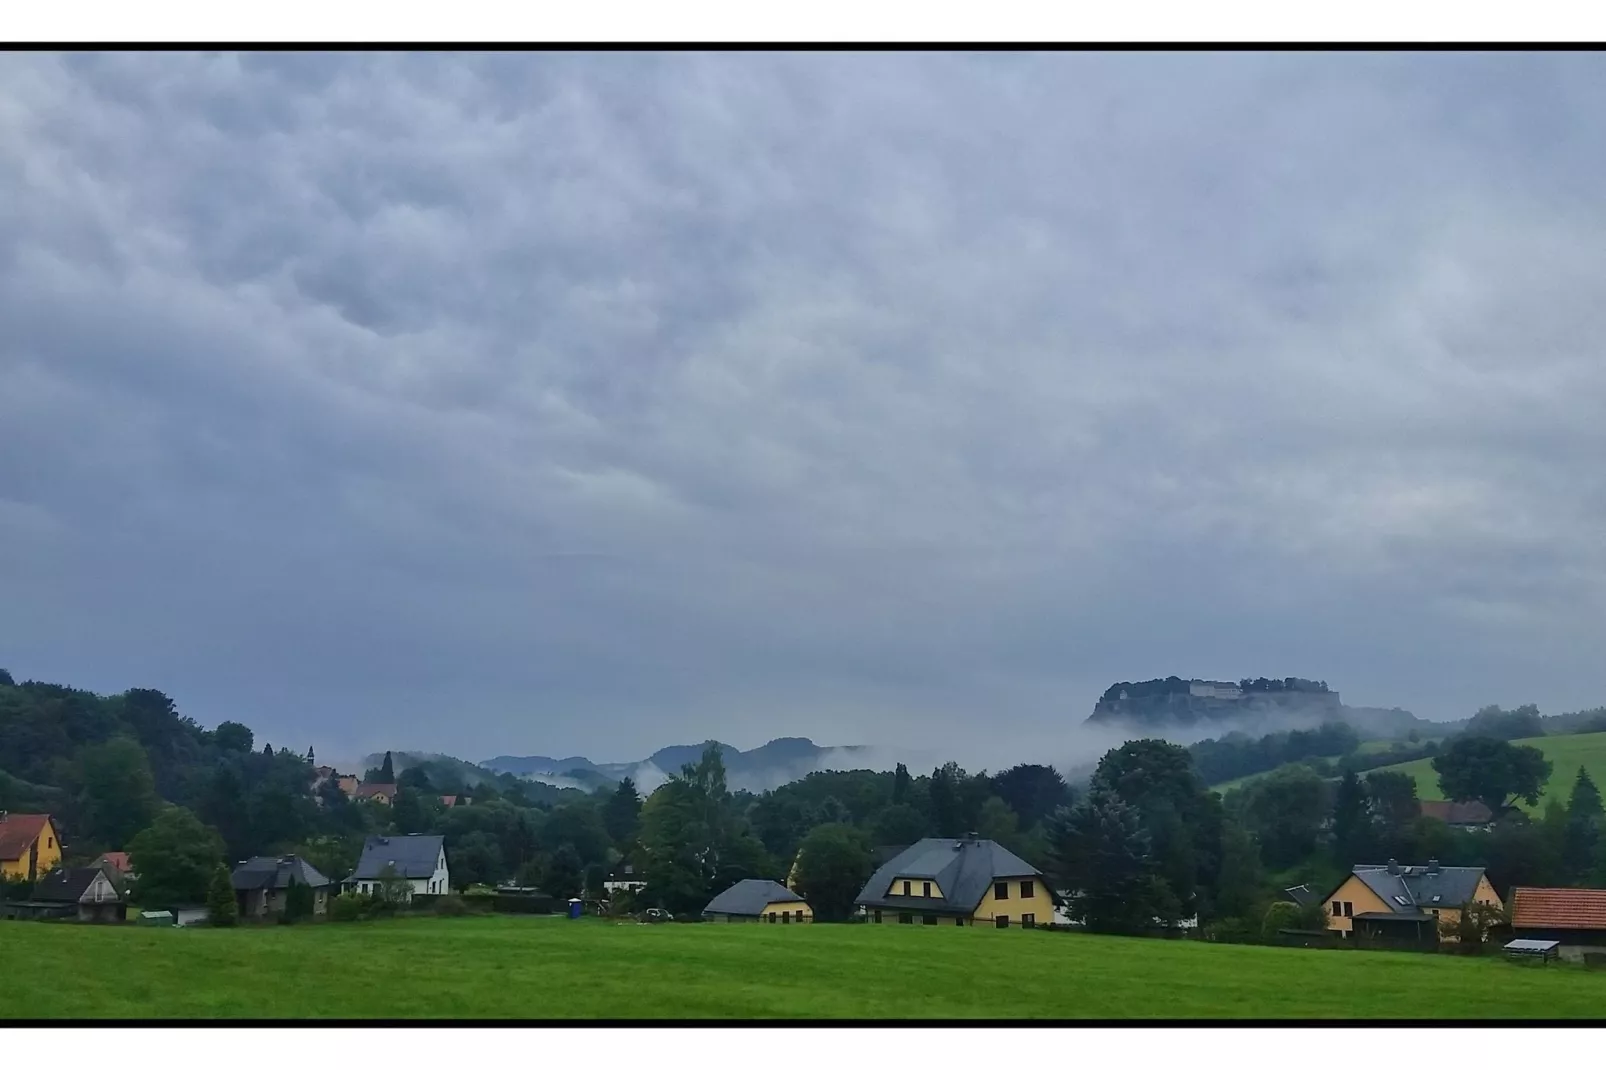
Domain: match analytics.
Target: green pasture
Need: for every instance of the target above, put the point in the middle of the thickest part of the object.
(547, 967)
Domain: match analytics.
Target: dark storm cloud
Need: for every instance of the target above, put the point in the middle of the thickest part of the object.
(589, 403)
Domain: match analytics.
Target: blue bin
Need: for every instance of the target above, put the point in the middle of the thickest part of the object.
(575, 908)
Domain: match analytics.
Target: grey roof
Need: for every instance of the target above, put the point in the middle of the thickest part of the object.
(750, 897)
(65, 885)
(1304, 894)
(1415, 888)
(1531, 945)
(414, 856)
(962, 869)
(269, 872)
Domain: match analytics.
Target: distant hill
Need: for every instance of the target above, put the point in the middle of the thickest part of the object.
(777, 762)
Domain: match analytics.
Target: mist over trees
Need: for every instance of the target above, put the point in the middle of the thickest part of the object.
(1147, 843)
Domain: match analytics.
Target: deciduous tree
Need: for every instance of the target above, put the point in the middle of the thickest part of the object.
(833, 864)
(1492, 771)
(175, 858)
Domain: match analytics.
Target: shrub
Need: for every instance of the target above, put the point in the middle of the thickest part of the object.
(451, 906)
(353, 906)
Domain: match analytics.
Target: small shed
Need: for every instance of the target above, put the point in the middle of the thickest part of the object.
(1541, 950)
(155, 917)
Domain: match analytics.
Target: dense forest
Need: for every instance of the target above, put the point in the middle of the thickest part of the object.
(1143, 842)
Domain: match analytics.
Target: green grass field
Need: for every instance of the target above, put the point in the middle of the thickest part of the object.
(539, 967)
(1566, 754)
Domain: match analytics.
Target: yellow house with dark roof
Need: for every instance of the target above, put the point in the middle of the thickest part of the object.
(958, 882)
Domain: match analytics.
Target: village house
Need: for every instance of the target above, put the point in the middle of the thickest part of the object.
(626, 877)
(419, 861)
(379, 793)
(1575, 917)
(116, 862)
(29, 846)
(450, 801)
(86, 892)
(759, 900)
(1406, 902)
(1472, 816)
(967, 880)
(262, 885)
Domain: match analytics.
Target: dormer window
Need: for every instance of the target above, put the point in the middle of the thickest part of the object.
(906, 888)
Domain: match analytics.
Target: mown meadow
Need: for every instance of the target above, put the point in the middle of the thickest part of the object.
(502, 967)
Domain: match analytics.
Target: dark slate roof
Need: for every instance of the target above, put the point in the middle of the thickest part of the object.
(962, 869)
(1421, 889)
(750, 897)
(1304, 894)
(414, 856)
(63, 885)
(269, 872)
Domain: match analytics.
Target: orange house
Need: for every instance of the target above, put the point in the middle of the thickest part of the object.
(29, 846)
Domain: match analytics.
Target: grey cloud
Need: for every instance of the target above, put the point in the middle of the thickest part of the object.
(588, 403)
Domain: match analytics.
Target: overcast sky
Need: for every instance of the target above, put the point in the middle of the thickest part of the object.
(584, 404)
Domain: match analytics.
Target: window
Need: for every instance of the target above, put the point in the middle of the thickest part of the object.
(925, 889)
(1028, 921)
(906, 919)
(1349, 910)
(799, 915)
(1001, 890)
(50, 841)
(1338, 909)
(929, 919)
(1027, 889)
(959, 921)
(786, 919)
(906, 890)
(1435, 913)
(1001, 922)
(878, 917)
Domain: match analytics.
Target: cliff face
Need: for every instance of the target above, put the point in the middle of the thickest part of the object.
(1193, 702)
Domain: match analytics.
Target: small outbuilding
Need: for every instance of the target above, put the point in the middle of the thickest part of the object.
(1573, 917)
(759, 900)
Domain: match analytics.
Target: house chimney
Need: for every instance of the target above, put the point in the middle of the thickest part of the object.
(1433, 866)
(1394, 867)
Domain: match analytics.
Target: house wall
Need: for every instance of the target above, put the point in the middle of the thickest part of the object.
(1361, 899)
(916, 887)
(772, 912)
(1040, 904)
(42, 857)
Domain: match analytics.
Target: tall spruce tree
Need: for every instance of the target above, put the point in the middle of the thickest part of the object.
(1581, 837)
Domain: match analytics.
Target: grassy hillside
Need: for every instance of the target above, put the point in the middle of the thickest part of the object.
(1566, 754)
(537, 967)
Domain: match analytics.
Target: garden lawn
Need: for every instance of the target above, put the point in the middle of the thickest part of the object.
(547, 967)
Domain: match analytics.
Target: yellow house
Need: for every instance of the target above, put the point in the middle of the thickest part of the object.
(1390, 896)
(945, 881)
(29, 846)
(759, 900)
